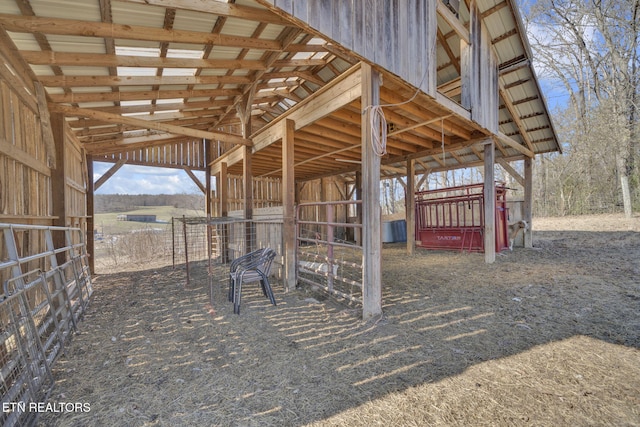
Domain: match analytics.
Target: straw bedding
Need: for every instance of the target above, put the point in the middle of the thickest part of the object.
(544, 336)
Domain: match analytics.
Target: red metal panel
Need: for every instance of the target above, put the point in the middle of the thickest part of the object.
(453, 218)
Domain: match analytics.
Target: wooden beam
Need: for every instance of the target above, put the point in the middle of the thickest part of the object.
(453, 21)
(106, 60)
(230, 157)
(514, 144)
(489, 203)
(288, 201)
(92, 81)
(339, 92)
(15, 80)
(45, 124)
(195, 179)
(393, 169)
(208, 155)
(222, 184)
(145, 95)
(108, 174)
(247, 182)
(58, 181)
(410, 198)
(515, 115)
(72, 27)
(452, 56)
(132, 143)
(10, 150)
(511, 171)
(371, 215)
(528, 201)
(90, 238)
(417, 125)
(147, 124)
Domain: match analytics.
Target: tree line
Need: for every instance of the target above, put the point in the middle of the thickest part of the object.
(105, 203)
(589, 49)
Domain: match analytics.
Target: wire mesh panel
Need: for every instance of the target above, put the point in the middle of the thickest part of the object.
(212, 243)
(326, 258)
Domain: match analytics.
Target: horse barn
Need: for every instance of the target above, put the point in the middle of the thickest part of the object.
(313, 102)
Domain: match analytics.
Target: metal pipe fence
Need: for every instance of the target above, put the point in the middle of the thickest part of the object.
(217, 241)
(326, 258)
(46, 287)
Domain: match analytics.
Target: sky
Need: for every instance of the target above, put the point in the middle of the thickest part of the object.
(131, 179)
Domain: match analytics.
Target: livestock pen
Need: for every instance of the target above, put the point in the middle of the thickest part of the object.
(554, 342)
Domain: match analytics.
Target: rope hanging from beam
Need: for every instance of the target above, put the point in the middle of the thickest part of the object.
(378, 121)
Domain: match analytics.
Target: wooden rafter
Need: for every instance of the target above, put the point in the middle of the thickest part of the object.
(147, 124)
(71, 27)
(516, 118)
(106, 60)
(140, 95)
(219, 8)
(115, 81)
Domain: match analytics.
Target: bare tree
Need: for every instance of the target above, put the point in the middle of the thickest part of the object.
(591, 48)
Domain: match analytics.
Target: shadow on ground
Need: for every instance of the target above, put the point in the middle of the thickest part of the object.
(548, 335)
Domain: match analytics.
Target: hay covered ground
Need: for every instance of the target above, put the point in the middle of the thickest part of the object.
(545, 336)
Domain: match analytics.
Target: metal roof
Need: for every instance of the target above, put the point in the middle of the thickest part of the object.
(187, 63)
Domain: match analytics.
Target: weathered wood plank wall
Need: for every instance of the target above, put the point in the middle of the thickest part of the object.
(479, 68)
(267, 193)
(398, 35)
(75, 183)
(190, 154)
(25, 177)
(28, 159)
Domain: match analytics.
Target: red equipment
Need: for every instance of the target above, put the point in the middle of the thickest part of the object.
(453, 218)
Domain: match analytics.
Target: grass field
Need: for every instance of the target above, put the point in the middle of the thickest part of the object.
(107, 223)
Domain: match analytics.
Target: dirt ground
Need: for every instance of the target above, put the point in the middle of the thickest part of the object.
(546, 336)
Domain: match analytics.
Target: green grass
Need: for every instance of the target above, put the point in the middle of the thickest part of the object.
(107, 223)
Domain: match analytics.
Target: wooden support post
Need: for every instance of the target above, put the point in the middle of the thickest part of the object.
(222, 188)
(371, 213)
(58, 182)
(288, 205)
(247, 179)
(90, 237)
(528, 200)
(208, 155)
(410, 198)
(489, 203)
(358, 188)
(244, 113)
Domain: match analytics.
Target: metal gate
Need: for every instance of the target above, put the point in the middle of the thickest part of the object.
(328, 256)
(45, 290)
(453, 218)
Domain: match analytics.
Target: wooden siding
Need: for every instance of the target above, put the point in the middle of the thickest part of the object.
(398, 35)
(25, 177)
(27, 159)
(187, 154)
(75, 183)
(267, 193)
(479, 67)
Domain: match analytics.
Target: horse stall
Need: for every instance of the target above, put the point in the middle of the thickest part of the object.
(453, 218)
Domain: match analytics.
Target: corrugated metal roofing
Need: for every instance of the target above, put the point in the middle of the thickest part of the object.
(62, 57)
